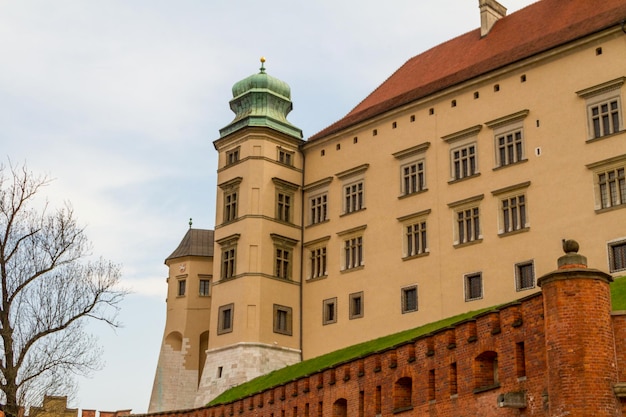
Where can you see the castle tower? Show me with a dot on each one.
(185, 338)
(255, 320)
(580, 343)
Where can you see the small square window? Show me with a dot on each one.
(283, 320)
(356, 305)
(225, 319)
(409, 299)
(182, 286)
(205, 288)
(617, 256)
(329, 312)
(524, 276)
(473, 286)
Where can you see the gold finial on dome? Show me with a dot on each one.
(262, 64)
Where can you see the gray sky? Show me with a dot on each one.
(120, 100)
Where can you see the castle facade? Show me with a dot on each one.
(446, 190)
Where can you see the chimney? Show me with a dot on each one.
(490, 12)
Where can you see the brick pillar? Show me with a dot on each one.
(580, 344)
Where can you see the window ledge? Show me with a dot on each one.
(410, 311)
(419, 255)
(318, 223)
(521, 161)
(607, 209)
(317, 278)
(514, 232)
(356, 268)
(591, 140)
(352, 212)
(454, 181)
(402, 409)
(403, 196)
(470, 243)
(487, 388)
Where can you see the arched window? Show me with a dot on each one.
(486, 370)
(402, 393)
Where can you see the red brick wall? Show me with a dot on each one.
(377, 384)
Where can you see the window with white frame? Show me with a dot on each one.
(463, 153)
(414, 227)
(610, 182)
(513, 208)
(467, 227)
(352, 251)
(509, 138)
(617, 255)
(230, 193)
(524, 276)
(283, 252)
(317, 197)
(353, 186)
(473, 286)
(317, 263)
(412, 170)
(604, 109)
(409, 299)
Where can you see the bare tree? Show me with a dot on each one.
(50, 287)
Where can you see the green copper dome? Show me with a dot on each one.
(261, 100)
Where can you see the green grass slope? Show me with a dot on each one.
(311, 366)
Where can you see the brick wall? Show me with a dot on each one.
(558, 352)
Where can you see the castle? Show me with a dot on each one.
(444, 191)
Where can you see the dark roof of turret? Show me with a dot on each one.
(536, 28)
(197, 242)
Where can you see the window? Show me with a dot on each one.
(319, 208)
(612, 185)
(231, 193)
(282, 269)
(509, 138)
(413, 178)
(329, 312)
(604, 114)
(416, 242)
(617, 256)
(232, 156)
(524, 276)
(182, 285)
(353, 252)
(353, 195)
(229, 256)
(353, 188)
(473, 286)
(225, 319)
(284, 199)
(356, 305)
(230, 206)
(468, 224)
(409, 299)
(282, 320)
(283, 250)
(283, 209)
(205, 288)
(464, 162)
(318, 262)
(285, 157)
(514, 213)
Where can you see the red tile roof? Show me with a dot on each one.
(532, 30)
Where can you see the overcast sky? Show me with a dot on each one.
(120, 100)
